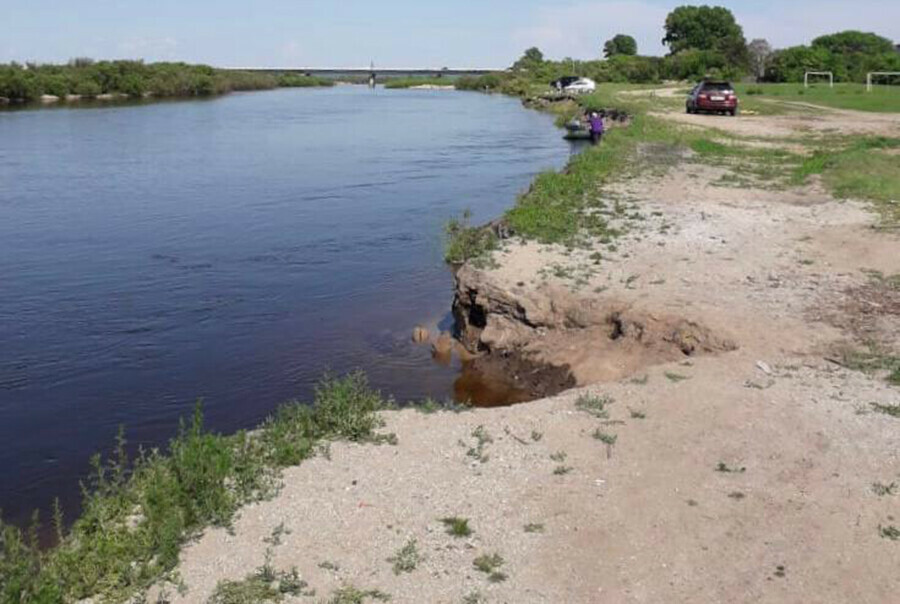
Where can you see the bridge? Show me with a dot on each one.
(384, 72)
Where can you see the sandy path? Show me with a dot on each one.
(649, 519)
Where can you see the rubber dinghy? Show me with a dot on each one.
(576, 131)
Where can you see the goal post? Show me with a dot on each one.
(879, 74)
(829, 74)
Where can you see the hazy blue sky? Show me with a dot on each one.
(396, 33)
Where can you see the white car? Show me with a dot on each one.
(581, 85)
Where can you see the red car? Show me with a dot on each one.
(718, 97)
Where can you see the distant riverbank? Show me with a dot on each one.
(85, 79)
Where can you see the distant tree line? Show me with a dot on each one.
(87, 78)
(704, 41)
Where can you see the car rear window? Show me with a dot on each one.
(717, 87)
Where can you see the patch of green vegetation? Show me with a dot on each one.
(351, 595)
(137, 514)
(882, 490)
(889, 532)
(396, 83)
(676, 377)
(605, 438)
(873, 360)
(293, 80)
(862, 170)
(536, 436)
(482, 439)
(534, 527)
(892, 410)
(882, 99)
(265, 585)
(406, 559)
(465, 242)
(88, 78)
(490, 565)
(635, 414)
(474, 598)
(562, 470)
(559, 456)
(726, 469)
(594, 405)
(458, 527)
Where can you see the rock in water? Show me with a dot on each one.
(420, 335)
(442, 349)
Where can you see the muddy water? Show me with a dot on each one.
(231, 250)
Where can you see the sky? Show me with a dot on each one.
(392, 33)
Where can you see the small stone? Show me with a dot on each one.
(420, 335)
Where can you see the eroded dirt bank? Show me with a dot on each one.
(720, 451)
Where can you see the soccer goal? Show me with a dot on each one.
(880, 74)
(823, 74)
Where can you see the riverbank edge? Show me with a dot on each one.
(99, 547)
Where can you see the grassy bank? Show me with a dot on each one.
(569, 207)
(399, 83)
(138, 513)
(882, 99)
(88, 79)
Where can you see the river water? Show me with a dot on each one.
(232, 250)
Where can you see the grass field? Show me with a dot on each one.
(842, 96)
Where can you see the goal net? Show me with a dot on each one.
(818, 74)
(886, 77)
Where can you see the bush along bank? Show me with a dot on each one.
(138, 513)
(85, 78)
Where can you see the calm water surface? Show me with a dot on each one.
(231, 250)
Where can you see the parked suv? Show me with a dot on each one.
(713, 96)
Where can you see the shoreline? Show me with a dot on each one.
(706, 407)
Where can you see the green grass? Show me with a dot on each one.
(882, 99)
(397, 83)
(867, 168)
(490, 565)
(534, 527)
(873, 360)
(457, 527)
(138, 513)
(465, 242)
(351, 595)
(406, 559)
(265, 585)
(594, 405)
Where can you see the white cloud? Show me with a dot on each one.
(799, 23)
(579, 30)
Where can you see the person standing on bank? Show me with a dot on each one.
(596, 124)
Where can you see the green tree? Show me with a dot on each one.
(789, 64)
(854, 42)
(620, 45)
(530, 61)
(708, 28)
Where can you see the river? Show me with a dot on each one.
(232, 250)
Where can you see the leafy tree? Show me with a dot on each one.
(620, 45)
(850, 42)
(760, 52)
(706, 28)
(789, 64)
(530, 61)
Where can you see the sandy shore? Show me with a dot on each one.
(742, 473)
